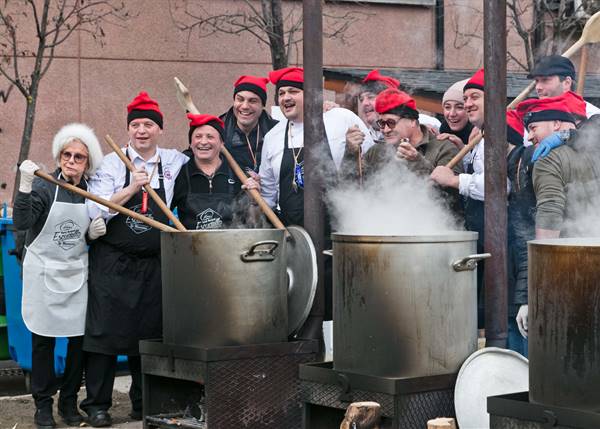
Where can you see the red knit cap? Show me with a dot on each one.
(515, 131)
(477, 81)
(397, 102)
(375, 76)
(545, 109)
(142, 106)
(576, 104)
(289, 76)
(199, 120)
(255, 84)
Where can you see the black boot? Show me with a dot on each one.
(99, 419)
(69, 414)
(43, 418)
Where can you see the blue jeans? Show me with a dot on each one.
(516, 341)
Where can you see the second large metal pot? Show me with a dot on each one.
(404, 306)
(224, 287)
(564, 322)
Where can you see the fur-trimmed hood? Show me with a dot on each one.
(84, 134)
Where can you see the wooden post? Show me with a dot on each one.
(364, 415)
(441, 423)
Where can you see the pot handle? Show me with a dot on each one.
(469, 263)
(254, 255)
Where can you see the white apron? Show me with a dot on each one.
(55, 272)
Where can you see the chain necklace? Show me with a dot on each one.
(255, 151)
(296, 155)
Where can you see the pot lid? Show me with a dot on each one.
(301, 266)
(487, 372)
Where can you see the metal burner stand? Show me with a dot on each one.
(406, 403)
(514, 411)
(253, 387)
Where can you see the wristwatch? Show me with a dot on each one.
(564, 135)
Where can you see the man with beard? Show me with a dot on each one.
(554, 75)
(247, 122)
(125, 288)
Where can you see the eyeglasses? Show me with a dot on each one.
(77, 157)
(381, 123)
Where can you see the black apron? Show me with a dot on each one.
(124, 284)
(474, 221)
(207, 210)
(291, 201)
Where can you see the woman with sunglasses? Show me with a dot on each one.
(55, 267)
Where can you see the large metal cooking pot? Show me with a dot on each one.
(224, 287)
(564, 323)
(404, 306)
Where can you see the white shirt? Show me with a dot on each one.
(472, 185)
(110, 177)
(591, 110)
(337, 121)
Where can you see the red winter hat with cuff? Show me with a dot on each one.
(200, 120)
(376, 82)
(396, 102)
(289, 76)
(477, 81)
(515, 131)
(545, 109)
(142, 106)
(255, 84)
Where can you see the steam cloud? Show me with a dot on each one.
(583, 198)
(392, 201)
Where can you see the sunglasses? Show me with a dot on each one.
(77, 157)
(391, 123)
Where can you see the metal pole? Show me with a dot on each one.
(314, 149)
(494, 52)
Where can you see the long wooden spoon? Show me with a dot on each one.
(109, 204)
(590, 34)
(148, 188)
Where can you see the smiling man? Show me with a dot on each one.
(282, 167)
(206, 188)
(554, 75)
(125, 296)
(247, 122)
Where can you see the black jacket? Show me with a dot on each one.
(235, 139)
(521, 223)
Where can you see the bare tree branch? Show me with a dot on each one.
(266, 24)
(54, 21)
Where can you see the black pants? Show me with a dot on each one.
(44, 383)
(100, 378)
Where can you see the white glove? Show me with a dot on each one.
(97, 228)
(27, 168)
(522, 320)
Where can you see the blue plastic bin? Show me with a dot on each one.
(19, 337)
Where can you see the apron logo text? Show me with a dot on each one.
(137, 226)
(209, 219)
(67, 234)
